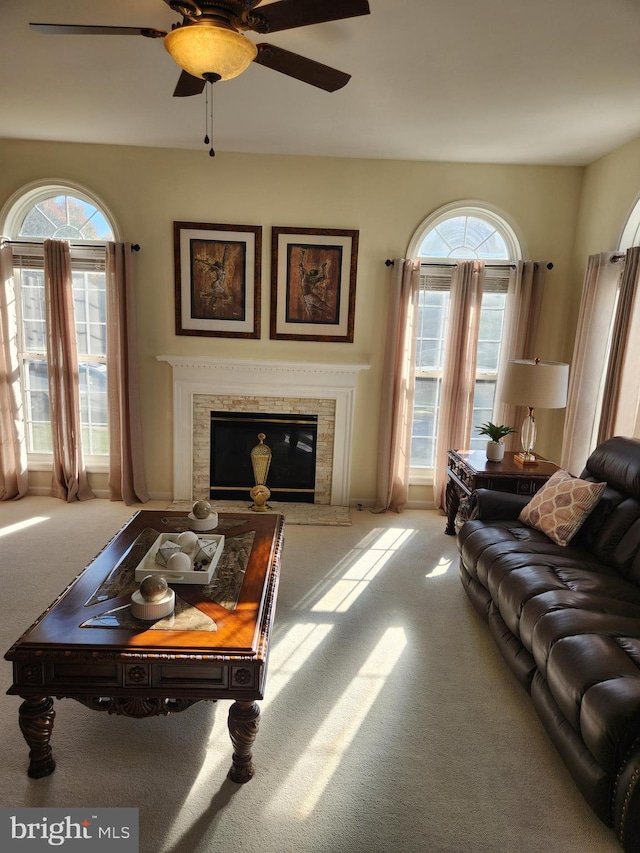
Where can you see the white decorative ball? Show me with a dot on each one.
(188, 541)
(179, 562)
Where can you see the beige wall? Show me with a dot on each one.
(610, 191)
(147, 189)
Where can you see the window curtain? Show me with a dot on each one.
(614, 401)
(590, 354)
(627, 420)
(13, 449)
(126, 460)
(524, 298)
(459, 368)
(69, 480)
(396, 408)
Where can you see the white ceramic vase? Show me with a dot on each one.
(495, 451)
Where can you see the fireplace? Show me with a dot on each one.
(292, 441)
(202, 385)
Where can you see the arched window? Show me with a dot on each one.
(57, 212)
(61, 212)
(630, 235)
(464, 230)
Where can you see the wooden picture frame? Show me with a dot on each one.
(313, 284)
(217, 279)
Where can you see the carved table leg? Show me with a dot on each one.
(244, 719)
(36, 723)
(452, 502)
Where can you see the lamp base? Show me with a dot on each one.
(525, 458)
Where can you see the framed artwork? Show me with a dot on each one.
(313, 284)
(217, 279)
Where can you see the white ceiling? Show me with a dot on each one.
(495, 81)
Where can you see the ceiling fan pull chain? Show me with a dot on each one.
(206, 116)
(212, 153)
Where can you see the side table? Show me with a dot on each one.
(469, 470)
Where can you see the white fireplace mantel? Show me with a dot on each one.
(267, 379)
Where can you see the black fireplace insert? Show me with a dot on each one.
(292, 440)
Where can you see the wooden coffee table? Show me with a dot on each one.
(87, 646)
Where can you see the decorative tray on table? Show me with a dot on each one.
(197, 561)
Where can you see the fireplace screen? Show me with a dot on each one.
(292, 439)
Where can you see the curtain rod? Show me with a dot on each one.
(135, 247)
(389, 263)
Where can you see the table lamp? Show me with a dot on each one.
(535, 384)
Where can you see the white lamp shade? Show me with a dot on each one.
(205, 48)
(537, 384)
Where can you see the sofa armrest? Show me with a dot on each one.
(491, 505)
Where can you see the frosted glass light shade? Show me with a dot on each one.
(206, 48)
(536, 384)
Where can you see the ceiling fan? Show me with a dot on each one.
(209, 44)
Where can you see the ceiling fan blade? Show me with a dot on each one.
(306, 70)
(287, 14)
(80, 30)
(188, 85)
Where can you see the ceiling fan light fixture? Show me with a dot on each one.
(205, 48)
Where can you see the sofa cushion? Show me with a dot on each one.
(565, 599)
(616, 461)
(587, 773)
(516, 564)
(559, 625)
(612, 533)
(483, 543)
(561, 506)
(578, 663)
(517, 588)
(610, 719)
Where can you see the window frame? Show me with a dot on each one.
(15, 209)
(495, 268)
(88, 255)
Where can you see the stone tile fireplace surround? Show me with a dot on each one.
(202, 385)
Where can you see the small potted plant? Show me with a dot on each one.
(495, 433)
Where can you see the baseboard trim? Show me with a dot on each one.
(103, 494)
(368, 502)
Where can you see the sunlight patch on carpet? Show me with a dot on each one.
(441, 568)
(291, 654)
(361, 565)
(22, 525)
(287, 657)
(315, 768)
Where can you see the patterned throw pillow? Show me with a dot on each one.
(561, 506)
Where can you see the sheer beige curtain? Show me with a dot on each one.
(396, 408)
(614, 401)
(69, 481)
(13, 450)
(590, 355)
(459, 372)
(126, 460)
(524, 298)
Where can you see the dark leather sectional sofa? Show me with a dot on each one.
(567, 621)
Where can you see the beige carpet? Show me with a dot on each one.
(295, 513)
(391, 724)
